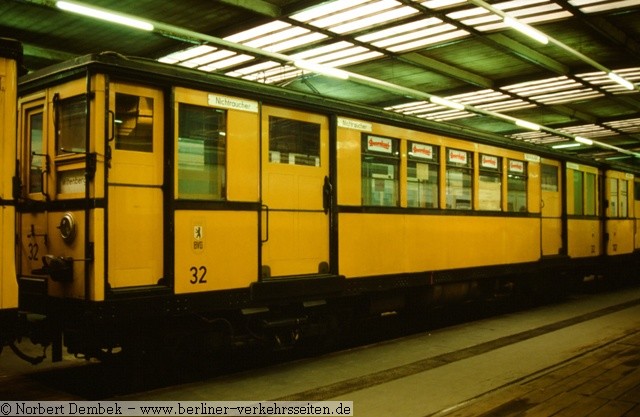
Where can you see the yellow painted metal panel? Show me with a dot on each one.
(552, 203)
(97, 267)
(8, 282)
(621, 236)
(215, 250)
(297, 243)
(349, 167)
(135, 235)
(8, 91)
(372, 244)
(584, 238)
(534, 196)
(551, 236)
(243, 170)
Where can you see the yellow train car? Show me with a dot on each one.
(10, 57)
(158, 202)
(411, 202)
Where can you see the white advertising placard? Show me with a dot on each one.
(419, 150)
(458, 157)
(516, 166)
(378, 144)
(487, 161)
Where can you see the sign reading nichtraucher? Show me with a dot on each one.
(233, 103)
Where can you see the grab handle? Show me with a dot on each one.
(265, 209)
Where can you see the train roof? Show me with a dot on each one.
(144, 71)
(10, 48)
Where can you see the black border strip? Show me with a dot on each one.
(215, 205)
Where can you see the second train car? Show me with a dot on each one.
(156, 202)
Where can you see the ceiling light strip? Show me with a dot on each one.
(617, 78)
(175, 31)
(105, 15)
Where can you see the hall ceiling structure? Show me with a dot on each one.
(458, 62)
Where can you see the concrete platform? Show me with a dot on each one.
(604, 383)
(578, 357)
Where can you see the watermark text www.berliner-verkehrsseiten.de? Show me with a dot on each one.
(176, 408)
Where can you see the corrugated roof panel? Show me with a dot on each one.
(597, 6)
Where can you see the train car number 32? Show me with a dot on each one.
(198, 275)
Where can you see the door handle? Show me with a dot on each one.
(327, 189)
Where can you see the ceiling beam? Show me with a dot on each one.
(529, 54)
(256, 6)
(605, 28)
(46, 53)
(449, 70)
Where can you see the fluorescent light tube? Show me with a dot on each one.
(526, 29)
(104, 15)
(566, 145)
(625, 83)
(446, 103)
(527, 125)
(322, 69)
(584, 141)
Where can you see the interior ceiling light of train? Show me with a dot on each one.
(553, 73)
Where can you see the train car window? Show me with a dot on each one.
(618, 198)
(549, 177)
(613, 197)
(578, 193)
(294, 142)
(71, 125)
(380, 165)
(134, 123)
(636, 192)
(422, 175)
(517, 186)
(202, 152)
(459, 179)
(37, 158)
(624, 199)
(490, 182)
(590, 194)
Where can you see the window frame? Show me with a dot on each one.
(466, 168)
(29, 111)
(429, 156)
(489, 166)
(296, 143)
(517, 172)
(213, 169)
(382, 150)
